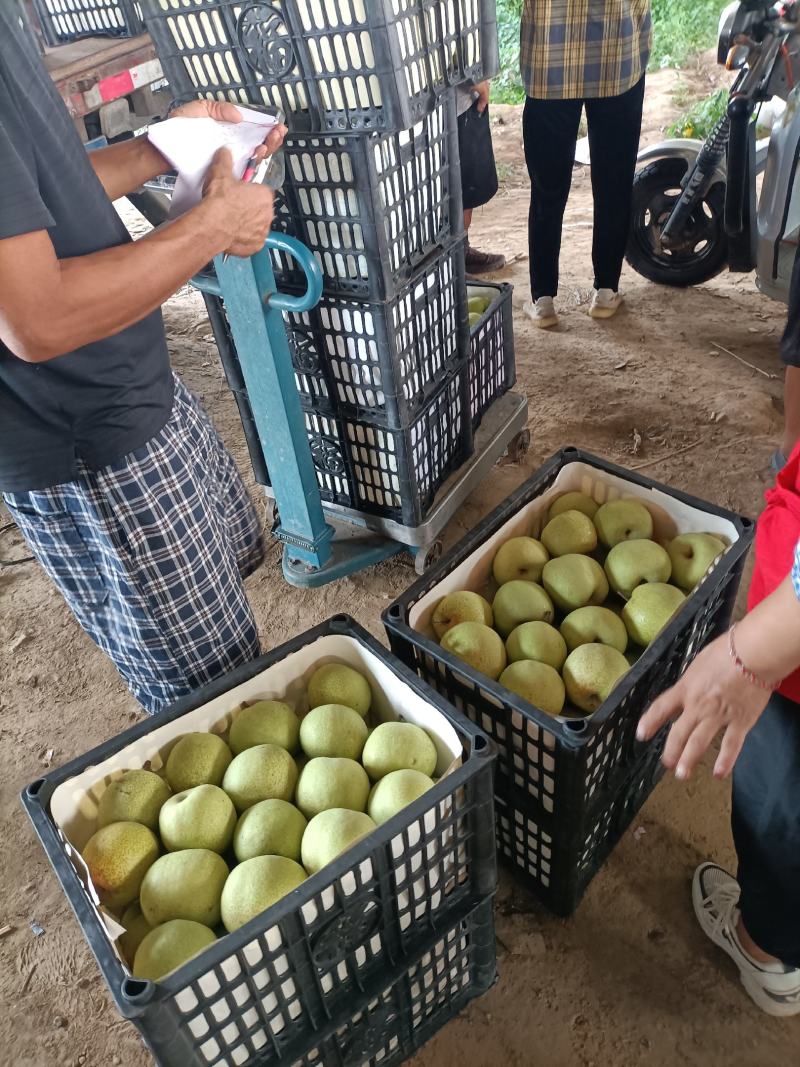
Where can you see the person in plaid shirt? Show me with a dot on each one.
(108, 465)
(578, 54)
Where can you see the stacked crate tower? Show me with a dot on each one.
(372, 187)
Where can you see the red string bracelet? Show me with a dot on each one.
(746, 673)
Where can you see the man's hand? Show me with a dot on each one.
(710, 698)
(482, 89)
(222, 111)
(242, 210)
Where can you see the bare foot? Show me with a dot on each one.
(750, 947)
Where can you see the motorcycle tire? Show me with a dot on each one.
(704, 252)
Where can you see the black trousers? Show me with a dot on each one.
(766, 830)
(550, 131)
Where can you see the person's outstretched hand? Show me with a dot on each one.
(712, 697)
(223, 111)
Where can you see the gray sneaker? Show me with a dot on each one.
(774, 987)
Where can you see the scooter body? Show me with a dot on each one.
(779, 205)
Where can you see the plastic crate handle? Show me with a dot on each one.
(290, 246)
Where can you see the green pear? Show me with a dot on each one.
(478, 305)
(649, 610)
(691, 555)
(268, 722)
(184, 885)
(569, 533)
(632, 563)
(477, 645)
(269, 828)
(333, 730)
(474, 318)
(590, 625)
(332, 782)
(623, 520)
(590, 673)
(538, 683)
(168, 947)
(517, 602)
(461, 606)
(574, 581)
(573, 502)
(136, 929)
(197, 759)
(202, 817)
(394, 792)
(118, 857)
(255, 885)
(330, 833)
(136, 796)
(538, 641)
(397, 746)
(260, 773)
(520, 557)
(336, 683)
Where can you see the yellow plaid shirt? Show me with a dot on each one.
(582, 49)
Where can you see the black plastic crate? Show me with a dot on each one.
(370, 65)
(492, 367)
(62, 21)
(374, 934)
(372, 207)
(566, 789)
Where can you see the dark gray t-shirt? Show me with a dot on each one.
(101, 401)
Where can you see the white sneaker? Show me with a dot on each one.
(775, 987)
(541, 312)
(605, 303)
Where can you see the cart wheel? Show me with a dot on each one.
(518, 446)
(425, 558)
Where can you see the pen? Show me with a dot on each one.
(250, 172)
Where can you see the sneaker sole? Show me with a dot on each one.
(604, 313)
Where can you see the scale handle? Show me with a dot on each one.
(309, 266)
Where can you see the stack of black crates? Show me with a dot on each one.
(372, 188)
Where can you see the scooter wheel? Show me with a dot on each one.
(703, 250)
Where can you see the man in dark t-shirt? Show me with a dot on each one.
(112, 471)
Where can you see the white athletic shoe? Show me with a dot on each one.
(774, 987)
(541, 312)
(605, 303)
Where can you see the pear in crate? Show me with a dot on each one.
(397, 746)
(623, 520)
(519, 557)
(136, 929)
(260, 773)
(333, 730)
(573, 501)
(256, 885)
(692, 555)
(118, 857)
(538, 683)
(477, 645)
(569, 532)
(203, 817)
(519, 601)
(632, 563)
(591, 673)
(197, 759)
(649, 610)
(336, 683)
(332, 782)
(461, 606)
(168, 947)
(330, 833)
(269, 828)
(136, 796)
(396, 791)
(184, 885)
(537, 641)
(574, 581)
(267, 722)
(594, 625)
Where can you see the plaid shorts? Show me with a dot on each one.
(150, 553)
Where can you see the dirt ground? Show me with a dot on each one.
(629, 979)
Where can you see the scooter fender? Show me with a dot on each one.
(686, 148)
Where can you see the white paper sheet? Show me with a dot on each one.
(189, 146)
